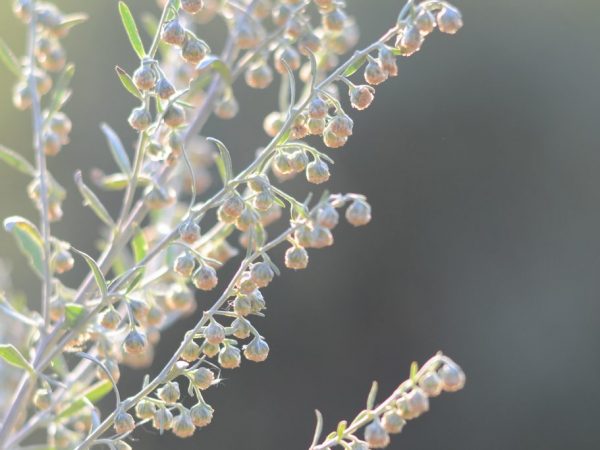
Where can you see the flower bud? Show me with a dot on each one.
(60, 124)
(174, 116)
(124, 422)
(296, 258)
(393, 422)
(242, 306)
(191, 352)
(410, 41)
(375, 435)
(202, 378)
(164, 88)
(453, 378)
(341, 125)
(282, 163)
(318, 108)
(173, 33)
(431, 384)
(316, 126)
(51, 143)
(233, 207)
(257, 301)
(140, 119)
(374, 72)
(189, 231)
(259, 76)
(388, 61)
(290, 56)
(262, 274)
(139, 309)
(334, 20)
(358, 213)
(113, 368)
(227, 107)
(42, 399)
(194, 50)
(22, 98)
(321, 237)
(144, 77)
(205, 278)
(257, 350)
(327, 216)
(110, 319)
(210, 350)
(214, 333)
(272, 123)
(62, 261)
(418, 402)
(182, 425)
(299, 160)
(281, 14)
(333, 140)
(169, 392)
(309, 42)
(241, 328)
(246, 284)
(145, 409)
(229, 357)
(56, 310)
(192, 6)
(179, 298)
(184, 264)
(247, 219)
(163, 419)
(201, 414)
(361, 96)
(449, 20)
(317, 172)
(134, 343)
(263, 200)
(425, 21)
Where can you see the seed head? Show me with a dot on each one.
(202, 378)
(247, 219)
(229, 357)
(144, 77)
(134, 343)
(124, 422)
(205, 278)
(449, 20)
(358, 213)
(173, 33)
(327, 216)
(388, 61)
(183, 426)
(169, 392)
(184, 264)
(282, 163)
(163, 419)
(257, 350)
(201, 414)
(298, 160)
(246, 284)
(164, 88)
(214, 333)
(317, 172)
(296, 258)
(316, 126)
(376, 436)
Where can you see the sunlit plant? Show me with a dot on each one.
(170, 238)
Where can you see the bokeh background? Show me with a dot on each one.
(481, 161)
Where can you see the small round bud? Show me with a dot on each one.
(155, 316)
(361, 96)
(388, 61)
(259, 76)
(189, 231)
(259, 183)
(318, 108)
(241, 328)
(194, 50)
(134, 343)
(174, 116)
(272, 123)
(184, 264)
(286, 55)
(327, 216)
(140, 119)
(139, 309)
(164, 88)
(227, 107)
(214, 333)
(229, 357)
(341, 125)
(261, 274)
(113, 368)
(321, 237)
(453, 378)
(374, 72)
(210, 350)
(431, 383)
(376, 436)
(233, 206)
(309, 42)
(263, 200)
(282, 163)
(334, 21)
(246, 284)
(242, 306)
(179, 298)
(247, 219)
(257, 301)
(281, 14)
(202, 378)
(144, 77)
(296, 258)
(201, 414)
(163, 419)
(145, 409)
(425, 21)
(62, 261)
(56, 310)
(298, 160)
(110, 319)
(191, 352)
(60, 123)
(410, 41)
(182, 425)
(358, 213)
(205, 278)
(22, 98)
(418, 402)
(316, 126)
(192, 6)
(51, 143)
(333, 140)
(317, 172)
(169, 392)
(124, 422)
(257, 350)
(42, 399)
(449, 20)
(173, 33)
(393, 422)
(303, 236)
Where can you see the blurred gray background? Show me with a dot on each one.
(481, 161)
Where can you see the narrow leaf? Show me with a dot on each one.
(12, 356)
(73, 312)
(355, 66)
(91, 200)
(414, 369)
(131, 29)
(71, 20)
(116, 147)
(94, 394)
(98, 276)
(224, 166)
(119, 181)
(139, 246)
(372, 395)
(340, 429)
(217, 65)
(29, 241)
(16, 161)
(9, 59)
(318, 428)
(128, 83)
(61, 92)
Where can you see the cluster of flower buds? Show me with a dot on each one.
(409, 401)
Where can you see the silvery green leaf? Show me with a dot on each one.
(9, 59)
(29, 241)
(131, 28)
(12, 356)
(127, 83)
(98, 276)
(61, 92)
(117, 149)
(223, 161)
(217, 65)
(16, 161)
(91, 200)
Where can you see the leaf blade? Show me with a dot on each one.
(28, 240)
(92, 200)
(98, 276)
(131, 29)
(225, 166)
(9, 59)
(128, 83)
(12, 356)
(117, 149)
(16, 161)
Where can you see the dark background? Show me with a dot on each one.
(481, 162)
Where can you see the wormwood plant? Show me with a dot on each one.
(155, 253)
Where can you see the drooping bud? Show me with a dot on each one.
(145, 409)
(257, 350)
(358, 213)
(214, 333)
(144, 77)
(317, 172)
(229, 357)
(393, 422)
(375, 435)
(431, 383)
(201, 414)
(191, 352)
(134, 343)
(453, 378)
(296, 258)
(202, 378)
(261, 274)
(140, 119)
(449, 20)
(173, 33)
(192, 6)
(169, 392)
(241, 328)
(124, 422)
(163, 419)
(184, 264)
(205, 278)
(361, 96)
(183, 426)
(189, 231)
